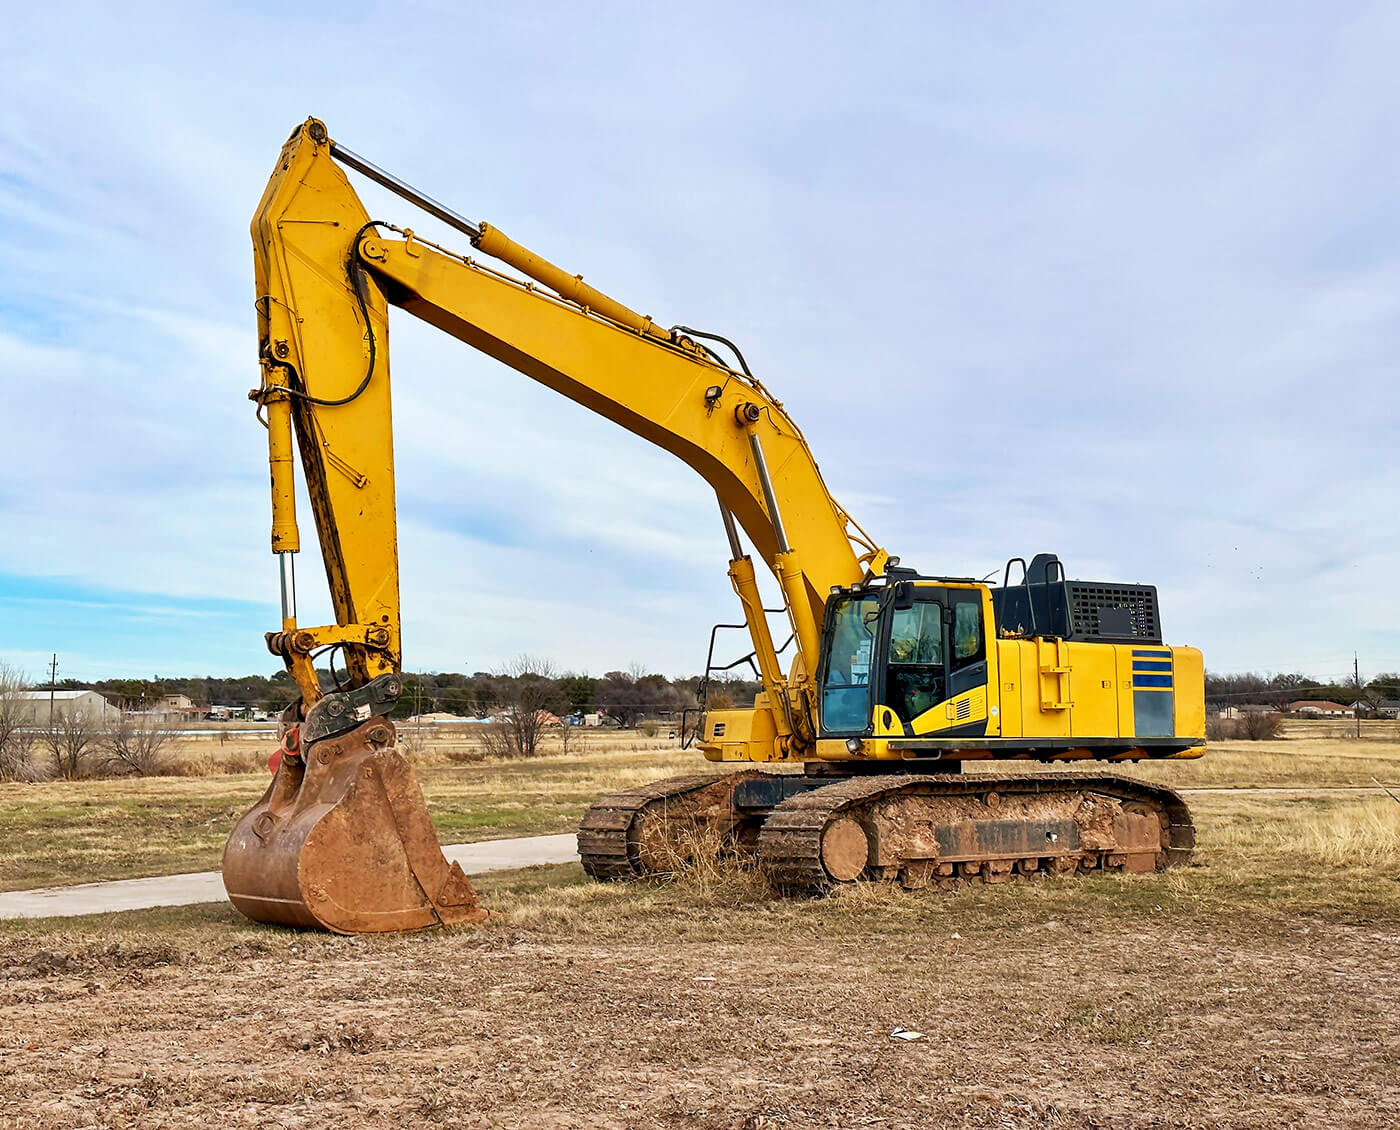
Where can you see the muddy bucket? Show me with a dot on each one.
(341, 841)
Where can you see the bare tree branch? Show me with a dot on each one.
(135, 746)
(531, 700)
(16, 736)
(71, 738)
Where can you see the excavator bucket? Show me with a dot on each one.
(341, 841)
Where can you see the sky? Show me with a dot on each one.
(1120, 282)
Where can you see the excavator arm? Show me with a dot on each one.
(326, 276)
(324, 395)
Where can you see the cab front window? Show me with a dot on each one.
(850, 650)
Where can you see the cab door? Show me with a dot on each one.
(967, 660)
(915, 677)
(961, 707)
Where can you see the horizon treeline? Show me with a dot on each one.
(624, 696)
(627, 696)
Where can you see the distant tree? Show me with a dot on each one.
(458, 700)
(721, 694)
(718, 697)
(16, 739)
(137, 694)
(71, 738)
(531, 702)
(415, 698)
(1260, 690)
(620, 698)
(488, 693)
(580, 691)
(1383, 686)
(135, 746)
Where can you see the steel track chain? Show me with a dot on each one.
(605, 841)
(790, 843)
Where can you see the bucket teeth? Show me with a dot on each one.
(342, 841)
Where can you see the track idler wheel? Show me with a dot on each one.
(342, 841)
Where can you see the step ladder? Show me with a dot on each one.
(1052, 662)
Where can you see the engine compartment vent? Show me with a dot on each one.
(1099, 610)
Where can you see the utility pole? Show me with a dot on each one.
(53, 685)
(1356, 706)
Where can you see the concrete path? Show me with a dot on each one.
(208, 886)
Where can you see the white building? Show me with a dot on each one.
(1320, 708)
(35, 707)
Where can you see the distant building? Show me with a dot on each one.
(35, 707)
(543, 718)
(1320, 708)
(1385, 708)
(176, 702)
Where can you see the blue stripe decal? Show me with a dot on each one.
(1150, 665)
(1152, 681)
(1139, 654)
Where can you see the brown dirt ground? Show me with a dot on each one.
(1259, 987)
(1147, 1002)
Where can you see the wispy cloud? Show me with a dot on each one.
(1124, 285)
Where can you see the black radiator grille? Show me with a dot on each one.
(1107, 611)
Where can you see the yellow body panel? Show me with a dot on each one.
(741, 734)
(1190, 694)
(1093, 690)
(960, 710)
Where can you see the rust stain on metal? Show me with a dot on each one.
(342, 841)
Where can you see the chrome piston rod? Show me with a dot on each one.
(731, 531)
(761, 466)
(287, 574)
(407, 191)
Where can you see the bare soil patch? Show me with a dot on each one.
(1259, 987)
(1187, 1000)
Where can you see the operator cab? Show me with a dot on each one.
(910, 644)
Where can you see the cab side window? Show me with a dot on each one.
(969, 646)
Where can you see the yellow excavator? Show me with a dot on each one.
(896, 678)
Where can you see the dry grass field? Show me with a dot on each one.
(61, 832)
(1259, 987)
